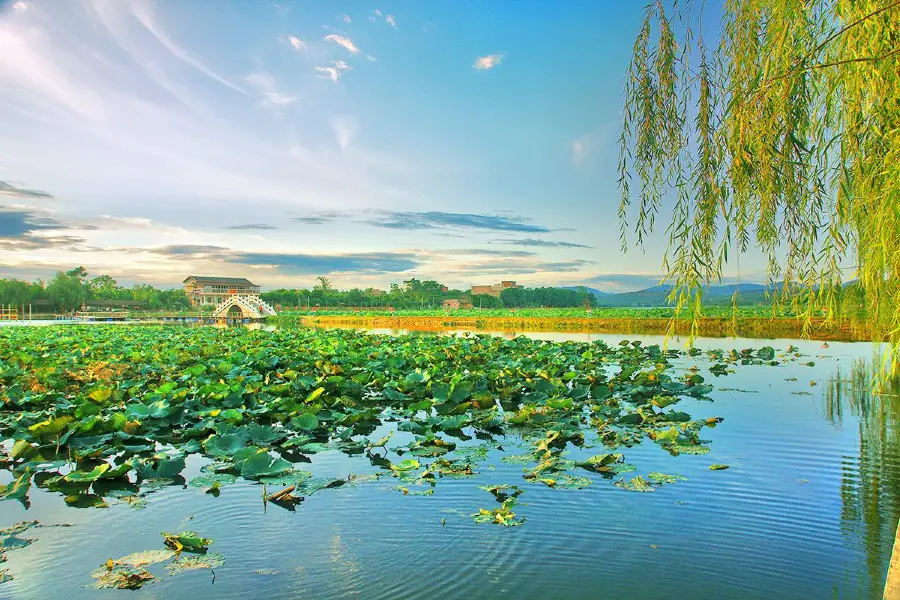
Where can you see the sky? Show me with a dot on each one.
(370, 142)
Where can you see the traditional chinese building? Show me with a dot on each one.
(203, 291)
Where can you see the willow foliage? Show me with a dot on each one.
(783, 134)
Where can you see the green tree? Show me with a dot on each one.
(782, 134)
(67, 291)
(105, 287)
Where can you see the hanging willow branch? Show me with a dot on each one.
(783, 139)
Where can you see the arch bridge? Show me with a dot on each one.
(244, 307)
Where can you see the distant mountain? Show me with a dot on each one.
(593, 291)
(657, 296)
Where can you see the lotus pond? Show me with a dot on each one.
(328, 463)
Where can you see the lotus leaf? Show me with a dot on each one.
(193, 562)
(187, 541)
(262, 464)
(205, 481)
(226, 445)
(123, 578)
(636, 484)
(662, 478)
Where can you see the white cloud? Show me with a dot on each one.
(20, 6)
(374, 16)
(483, 63)
(390, 20)
(347, 18)
(268, 87)
(297, 43)
(342, 41)
(333, 72)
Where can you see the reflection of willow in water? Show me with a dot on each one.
(871, 492)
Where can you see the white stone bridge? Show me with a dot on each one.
(244, 307)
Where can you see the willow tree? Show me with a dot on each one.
(781, 136)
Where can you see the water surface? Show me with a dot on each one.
(807, 509)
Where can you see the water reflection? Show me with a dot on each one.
(870, 493)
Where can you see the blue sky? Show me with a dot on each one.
(370, 142)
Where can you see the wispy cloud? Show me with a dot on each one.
(143, 14)
(266, 84)
(333, 72)
(20, 6)
(346, 18)
(317, 264)
(9, 189)
(252, 226)
(390, 20)
(320, 218)
(437, 220)
(342, 41)
(290, 263)
(483, 63)
(375, 15)
(297, 43)
(531, 242)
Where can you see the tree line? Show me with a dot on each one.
(417, 294)
(70, 290)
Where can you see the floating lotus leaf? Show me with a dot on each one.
(123, 578)
(601, 462)
(18, 489)
(503, 515)
(636, 484)
(223, 445)
(194, 562)
(305, 422)
(187, 541)
(662, 478)
(142, 559)
(263, 464)
(292, 477)
(205, 481)
(718, 467)
(407, 465)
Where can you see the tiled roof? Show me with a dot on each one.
(224, 280)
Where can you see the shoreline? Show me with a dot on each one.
(759, 327)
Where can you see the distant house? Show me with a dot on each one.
(203, 291)
(455, 303)
(493, 290)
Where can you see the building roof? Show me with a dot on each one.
(225, 280)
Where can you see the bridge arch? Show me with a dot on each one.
(244, 307)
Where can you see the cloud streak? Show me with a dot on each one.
(438, 220)
(293, 263)
(534, 243)
(251, 227)
(142, 14)
(297, 43)
(267, 86)
(346, 43)
(13, 190)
